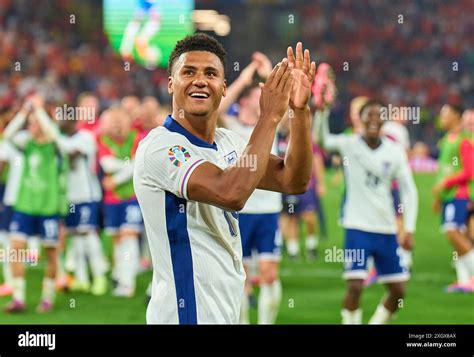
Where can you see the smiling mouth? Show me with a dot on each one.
(199, 95)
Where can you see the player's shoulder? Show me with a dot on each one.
(229, 138)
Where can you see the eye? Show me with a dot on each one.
(211, 74)
(188, 72)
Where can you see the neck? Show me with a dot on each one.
(373, 143)
(456, 129)
(202, 127)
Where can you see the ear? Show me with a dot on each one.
(224, 88)
(170, 85)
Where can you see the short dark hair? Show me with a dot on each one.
(197, 42)
(370, 103)
(457, 108)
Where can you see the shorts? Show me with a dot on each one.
(123, 215)
(83, 218)
(260, 232)
(384, 249)
(297, 204)
(25, 225)
(6, 214)
(454, 215)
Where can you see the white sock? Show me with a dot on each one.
(34, 245)
(244, 310)
(406, 258)
(468, 261)
(19, 288)
(130, 262)
(381, 316)
(463, 268)
(312, 242)
(49, 290)
(351, 317)
(269, 302)
(7, 272)
(293, 247)
(80, 263)
(94, 252)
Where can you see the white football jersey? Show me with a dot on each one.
(83, 185)
(261, 201)
(198, 276)
(368, 201)
(398, 132)
(14, 157)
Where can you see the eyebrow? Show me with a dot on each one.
(187, 66)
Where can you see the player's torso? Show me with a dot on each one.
(368, 177)
(82, 184)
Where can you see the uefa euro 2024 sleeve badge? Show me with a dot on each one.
(178, 155)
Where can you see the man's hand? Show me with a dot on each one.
(108, 183)
(303, 73)
(276, 92)
(437, 189)
(406, 240)
(37, 101)
(263, 64)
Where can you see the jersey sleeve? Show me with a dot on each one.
(408, 191)
(169, 163)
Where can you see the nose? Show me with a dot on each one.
(199, 81)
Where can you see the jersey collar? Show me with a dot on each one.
(174, 126)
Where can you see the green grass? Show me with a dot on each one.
(312, 292)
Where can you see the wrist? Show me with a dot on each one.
(300, 111)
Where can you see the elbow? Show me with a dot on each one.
(298, 188)
(235, 200)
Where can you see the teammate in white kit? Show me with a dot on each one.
(84, 195)
(370, 163)
(191, 178)
(258, 220)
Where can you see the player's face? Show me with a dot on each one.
(468, 121)
(447, 117)
(371, 121)
(197, 83)
(33, 126)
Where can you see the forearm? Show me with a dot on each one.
(125, 174)
(299, 156)
(241, 179)
(111, 165)
(49, 128)
(15, 125)
(409, 201)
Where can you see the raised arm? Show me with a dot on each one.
(260, 64)
(230, 188)
(408, 198)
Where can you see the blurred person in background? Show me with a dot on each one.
(84, 196)
(123, 219)
(40, 197)
(258, 220)
(453, 189)
(420, 159)
(468, 125)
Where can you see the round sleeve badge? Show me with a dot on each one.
(178, 155)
